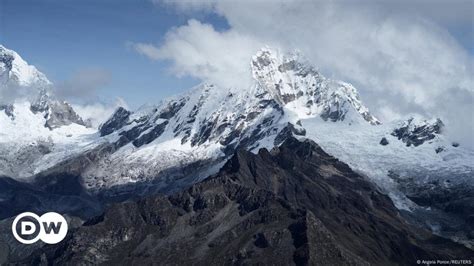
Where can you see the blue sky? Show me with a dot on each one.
(62, 38)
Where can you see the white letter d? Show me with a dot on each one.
(27, 228)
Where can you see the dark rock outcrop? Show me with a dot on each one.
(142, 129)
(417, 134)
(6, 58)
(292, 205)
(333, 115)
(288, 132)
(8, 109)
(384, 141)
(151, 135)
(115, 122)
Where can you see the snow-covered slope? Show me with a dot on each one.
(27, 145)
(360, 146)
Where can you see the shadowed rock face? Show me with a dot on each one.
(62, 194)
(292, 205)
(417, 134)
(116, 121)
(452, 205)
(384, 141)
(146, 129)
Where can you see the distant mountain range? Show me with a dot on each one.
(48, 153)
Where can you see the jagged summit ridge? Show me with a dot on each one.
(208, 113)
(296, 84)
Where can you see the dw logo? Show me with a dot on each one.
(50, 228)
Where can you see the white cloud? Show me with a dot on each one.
(401, 57)
(198, 50)
(147, 49)
(97, 113)
(386, 113)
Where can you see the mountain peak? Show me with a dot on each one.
(17, 74)
(14, 71)
(296, 84)
(56, 112)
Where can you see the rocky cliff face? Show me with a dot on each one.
(415, 132)
(57, 113)
(294, 204)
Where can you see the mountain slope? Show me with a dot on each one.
(292, 205)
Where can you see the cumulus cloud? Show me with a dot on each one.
(402, 62)
(97, 113)
(198, 50)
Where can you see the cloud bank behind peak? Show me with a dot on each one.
(401, 58)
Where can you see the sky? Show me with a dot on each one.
(70, 40)
(405, 57)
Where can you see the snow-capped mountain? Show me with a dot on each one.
(288, 96)
(184, 139)
(295, 84)
(34, 125)
(16, 72)
(208, 123)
